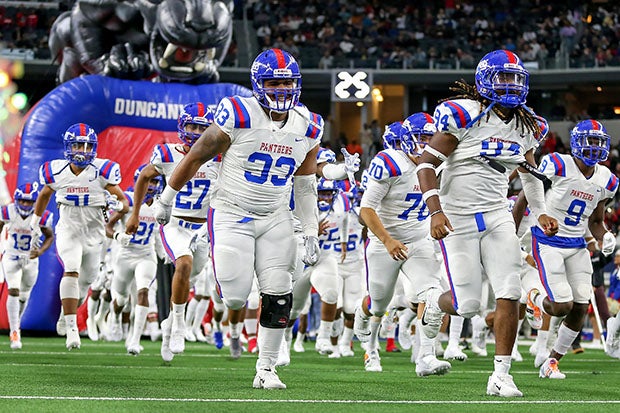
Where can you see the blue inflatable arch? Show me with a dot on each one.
(103, 103)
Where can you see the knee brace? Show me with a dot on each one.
(275, 310)
(469, 308)
(69, 288)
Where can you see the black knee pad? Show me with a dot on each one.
(275, 310)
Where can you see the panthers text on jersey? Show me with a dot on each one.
(572, 198)
(392, 178)
(468, 185)
(257, 167)
(193, 199)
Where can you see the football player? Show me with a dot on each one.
(20, 258)
(483, 134)
(86, 187)
(265, 139)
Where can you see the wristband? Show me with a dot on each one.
(167, 195)
(439, 211)
(429, 193)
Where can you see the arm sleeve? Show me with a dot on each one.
(374, 193)
(304, 187)
(535, 193)
(334, 172)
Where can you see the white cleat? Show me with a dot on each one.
(189, 336)
(502, 385)
(516, 356)
(324, 346)
(533, 348)
(432, 315)
(165, 352)
(177, 337)
(551, 370)
(454, 352)
(298, 347)
(134, 349)
(16, 340)
(479, 336)
(235, 348)
(267, 379)
(372, 361)
(533, 313)
(335, 353)
(541, 357)
(73, 339)
(200, 337)
(361, 326)
(439, 351)
(115, 329)
(346, 351)
(91, 328)
(430, 365)
(404, 328)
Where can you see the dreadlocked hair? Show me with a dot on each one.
(524, 116)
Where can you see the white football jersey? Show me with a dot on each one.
(87, 188)
(392, 178)
(255, 176)
(143, 240)
(572, 198)
(80, 197)
(338, 228)
(19, 235)
(355, 243)
(468, 186)
(193, 199)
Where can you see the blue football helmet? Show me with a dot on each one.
(26, 192)
(276, 64)
(80, 142)
(153, 189)
(414, 128)
(590, 142)
(327, 191)
(325, 155)
(194, 113)
(502, 78)
(393, 135)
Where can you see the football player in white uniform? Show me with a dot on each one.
(189, 212)
(86, 187)
(580, 187)
(483, 134)
(264, 140)
(136, 261)
(395, 213)
(20, 257)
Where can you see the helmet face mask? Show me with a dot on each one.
(25, 197)
(502, 79)
(194, 119)
(80, 141)
(418, 130)
(276, 80)
(590, 142)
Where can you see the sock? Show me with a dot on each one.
(300, 337)
(12, 309)
(347, 337)
(270, 340)
(427, 345)
(565, 339)
(456, 326)
(93, 305)
(201, 310)
(178, 313)
(390, 343)
(288, 334)
(71, 321)
(251, 326)
(139, 319)
(375, 324)
(325, 329)
(541, 340)
(502, 364)
(190, 312)
(234, 330)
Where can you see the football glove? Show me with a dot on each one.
(312, 249)
(609, 244)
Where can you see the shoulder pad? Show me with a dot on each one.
(242, 115)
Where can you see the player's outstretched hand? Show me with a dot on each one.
(440, 226)
(548, 224)
(312, 249)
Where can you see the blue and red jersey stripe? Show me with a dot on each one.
(47, 173)
(165, 153)
(560, 167)
(312, 131)
(390, 164)
(242, 116)
(461, 116)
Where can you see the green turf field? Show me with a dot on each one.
(43, 376)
